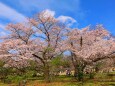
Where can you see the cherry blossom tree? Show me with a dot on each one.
(88, 46)
(40, 38)
(50, 34)
(15, 45)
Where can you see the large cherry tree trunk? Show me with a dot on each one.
(79, 66)
(46, 68)
(47, 73)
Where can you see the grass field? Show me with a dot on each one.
(99, 80)
(39, 83)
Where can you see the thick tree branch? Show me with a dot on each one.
(39, 58)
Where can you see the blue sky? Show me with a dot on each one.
(79, 12)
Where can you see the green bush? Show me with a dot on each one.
(29, 74)
(3, 72)
(14, 79)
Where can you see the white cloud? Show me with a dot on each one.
(67, 19)
(11, 14)
(64, 19)
(46, 13)
(49, 12)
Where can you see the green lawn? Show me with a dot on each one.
(99, 80)
(39, 83)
